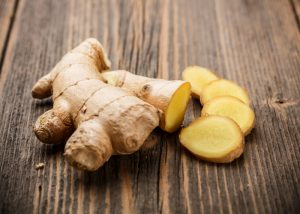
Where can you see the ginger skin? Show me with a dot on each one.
(96, 119)
(170, 96)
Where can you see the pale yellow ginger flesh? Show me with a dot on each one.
(233, 108)
(175, 112)
(170, 96)
(223, 87)
(213, 138)
(95, 119)
(199, 77)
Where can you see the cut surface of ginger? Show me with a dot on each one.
(233, 108)
(176, 109)
(213, 138)
(171, 97)
(223, 87)
(199, 77)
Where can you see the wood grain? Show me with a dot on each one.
(295, 4)
(245, 41)
(7, 10)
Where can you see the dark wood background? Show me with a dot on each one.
(253, 42)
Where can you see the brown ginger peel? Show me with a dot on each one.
(170, 96)
(96, 119)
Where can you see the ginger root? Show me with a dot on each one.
(171, 97)
(233, 108)
(223, 87)
(199, 77)
(96, 119)
(218, 135)
(213, 138)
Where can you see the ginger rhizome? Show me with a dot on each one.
(213, 138)
(99, 113)
(170, 96)
(199, 77)
(96, 119)
(226, 117)
(233, 108)
(222, 87)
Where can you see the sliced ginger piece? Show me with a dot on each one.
(223, 87)
(213, 138)
(233, 108)
(199, 77)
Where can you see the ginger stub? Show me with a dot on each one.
(222, 87)
(213, 138)
(170, 96)
(199, 77)
(233, 108)
(96, 119)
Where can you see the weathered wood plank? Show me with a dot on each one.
(295, 4)
(7, 11)
(246, 41)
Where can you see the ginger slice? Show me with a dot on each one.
(199, 77)
(233, 108)
(213, 138)
(223, 87)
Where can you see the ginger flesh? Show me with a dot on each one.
(223, 87)
(233, 108)
(95, 119)
(171, 97)
(213, 138)
(199, 77)
(176, 109)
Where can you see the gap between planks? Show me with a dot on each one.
(7, 37)
(295, 5)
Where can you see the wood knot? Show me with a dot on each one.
(39, 166)
(281, 102)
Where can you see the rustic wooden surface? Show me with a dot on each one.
(7, 11)
(253, 42)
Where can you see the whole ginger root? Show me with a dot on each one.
(96, 119)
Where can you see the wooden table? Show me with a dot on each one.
(253, 42)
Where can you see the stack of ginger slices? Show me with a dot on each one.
(226, 117)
